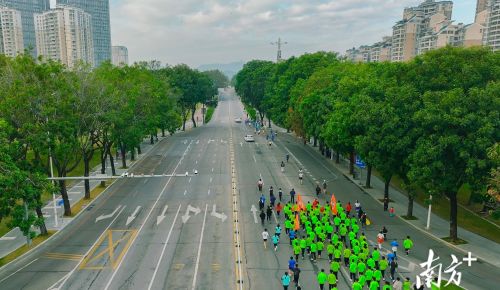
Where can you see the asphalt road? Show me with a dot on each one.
(182, 232)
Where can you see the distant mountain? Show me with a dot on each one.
(229, 69)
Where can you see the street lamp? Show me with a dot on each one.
(52, 176)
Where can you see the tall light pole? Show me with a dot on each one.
(279, 43)
(429, 211)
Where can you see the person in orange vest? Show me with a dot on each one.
(279, 207)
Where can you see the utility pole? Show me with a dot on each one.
(279, 43)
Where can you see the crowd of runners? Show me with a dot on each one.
(335, 233)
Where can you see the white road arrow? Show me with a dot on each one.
(107, 216)
(160, 218)
(133, 216)
(221, 216)
(186, 216)
(254, 211)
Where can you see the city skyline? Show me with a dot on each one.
(227, 31)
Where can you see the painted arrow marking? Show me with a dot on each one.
(186, 216)
(241, 144)
(221, 216)
(133, 216)
(254, 211)
(107, 216)
(7, 238)
(161, 217)
(411, 267)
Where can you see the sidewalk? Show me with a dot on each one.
(15, 239)
(484, 249)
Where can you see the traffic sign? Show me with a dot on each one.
(360, 162)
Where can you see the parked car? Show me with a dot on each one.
(237, 120)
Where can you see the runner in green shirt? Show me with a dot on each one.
(374, 285)
(407, 284)
(361, 267)
(332, 280)
(353, 269)
(330, 249)
(382, 265)
(369, 275)
(337, 253)
(303, 246)
(387, 286)
(377, 275)
(296, 251)
(322, 277)
(347, 255)
(356, 286)
(320, 247)
(314, 250)
(335, 267)
(408, 244)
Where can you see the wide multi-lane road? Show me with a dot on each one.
(198, 231)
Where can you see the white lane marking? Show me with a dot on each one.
(210, 179)
(208, 191)
(163, 249)
(146, 180)
(160, 218)
(102, 217)
(142, 226)
(10, 238)
(133, 215)
(212, 169)
(275, 218)
(185, 191)
(253, 209)
(189, 180)
(254, 159)
(18, 270)
(196, 162)
(193, 286)
(335, 177)
(66, 277)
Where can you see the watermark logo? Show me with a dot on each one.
(433, 269)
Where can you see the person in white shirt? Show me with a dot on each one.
(301, 175)
(265, 236)
(397, 285)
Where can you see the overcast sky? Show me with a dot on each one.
(199, 32)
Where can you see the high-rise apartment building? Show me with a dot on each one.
(481, 5)
(11, 32)
(429, 8)
(99, 10)
(492, 33)
(422, 28)
(28, 8)
(404, 38)
(65, 34)
(119, 55)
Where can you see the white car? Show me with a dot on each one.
(237, 120)
(249, 138)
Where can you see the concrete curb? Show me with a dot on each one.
(81, 211)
